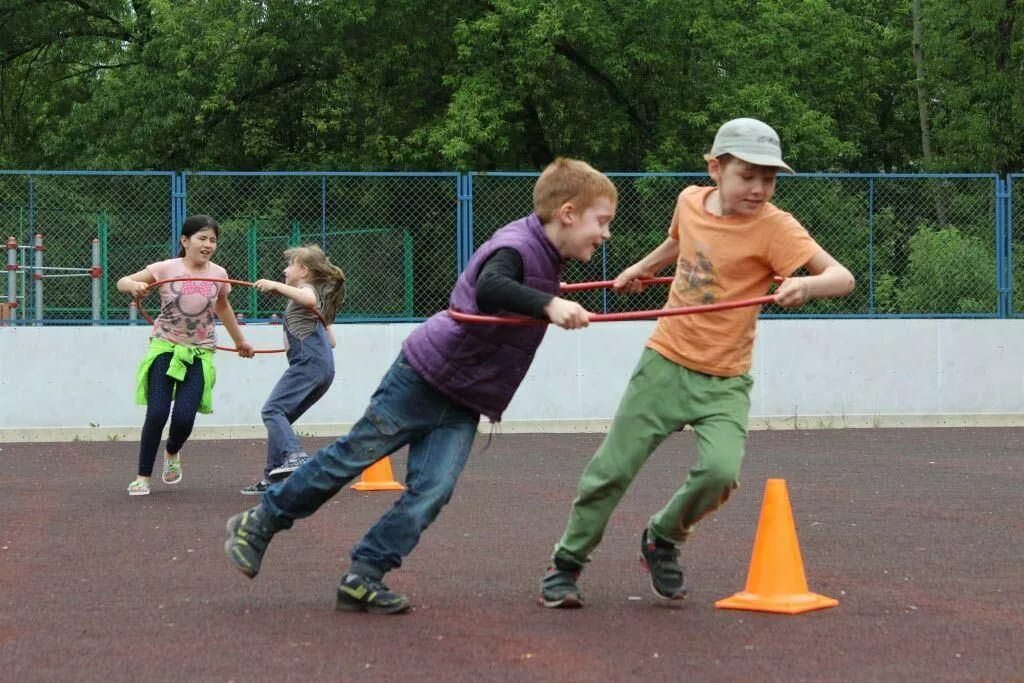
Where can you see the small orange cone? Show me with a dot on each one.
(378, 477)
(776, 581)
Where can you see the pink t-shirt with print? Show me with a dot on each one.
(187, 308)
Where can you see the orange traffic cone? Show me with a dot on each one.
(378, 477)
(776, 581)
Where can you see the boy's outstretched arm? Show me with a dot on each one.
(661, 256)
(500, 288)
(828, 278)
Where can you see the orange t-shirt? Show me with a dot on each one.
(724, 258)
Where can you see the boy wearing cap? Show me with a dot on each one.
(728, 242)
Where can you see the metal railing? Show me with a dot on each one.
(920, 245)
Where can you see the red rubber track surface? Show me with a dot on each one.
(918, 533)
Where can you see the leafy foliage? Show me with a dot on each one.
(412, 84)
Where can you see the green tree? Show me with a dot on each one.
(975, 62)
(948, 273)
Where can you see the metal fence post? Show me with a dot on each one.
(253, 253)
(103, 232)
(1009, 241)
(37, 277)
(871, 246)
(464, 221)
(323, 212)
(12, 275)
(96, 272)
(1004, 273)
(179, 201)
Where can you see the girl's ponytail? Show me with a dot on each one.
(333, 295)
(328, 278)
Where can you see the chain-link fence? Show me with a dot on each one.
(394, 235)
(50, 221)
(919, 245)
(1013, 276)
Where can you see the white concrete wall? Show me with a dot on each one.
(60, 383)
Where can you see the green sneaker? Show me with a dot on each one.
(357, 593)
(248, 536)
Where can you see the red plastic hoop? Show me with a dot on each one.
(616, 317)
(605, 284)
(157, 283)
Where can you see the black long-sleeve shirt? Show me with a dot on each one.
(499, 286)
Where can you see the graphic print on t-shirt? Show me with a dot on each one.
(695, 281)
(193, 297)
(189, 308)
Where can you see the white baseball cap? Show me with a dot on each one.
(752, 141)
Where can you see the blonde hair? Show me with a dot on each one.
(327, 278)
(570, 180)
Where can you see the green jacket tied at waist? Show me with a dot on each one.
(183, 355)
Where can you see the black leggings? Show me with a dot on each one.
(158, 408)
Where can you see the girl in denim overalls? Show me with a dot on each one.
(316, 289)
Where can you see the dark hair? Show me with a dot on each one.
(194, 224)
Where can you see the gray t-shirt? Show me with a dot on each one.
(298, 319)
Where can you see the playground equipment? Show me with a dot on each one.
(18, 257)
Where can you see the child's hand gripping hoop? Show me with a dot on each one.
(153, 285)
(615, 317)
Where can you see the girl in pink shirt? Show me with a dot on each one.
(179, 364)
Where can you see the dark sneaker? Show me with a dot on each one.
(291, 463)
(256, 489)
(248, 536)
(661, 559)
(558, 586)
(357, 593)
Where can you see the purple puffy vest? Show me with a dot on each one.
(478, 365)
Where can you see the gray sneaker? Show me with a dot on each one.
(558, 586)
(248, 536)
(292, 462)
(661, 559)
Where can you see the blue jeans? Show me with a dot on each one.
(308, 377)
(404, 410)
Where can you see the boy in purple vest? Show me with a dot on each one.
(447, 375)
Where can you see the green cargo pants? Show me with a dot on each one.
(661, 398)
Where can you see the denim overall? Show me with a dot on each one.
(308, 377)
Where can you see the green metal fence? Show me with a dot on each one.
(934, 245)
